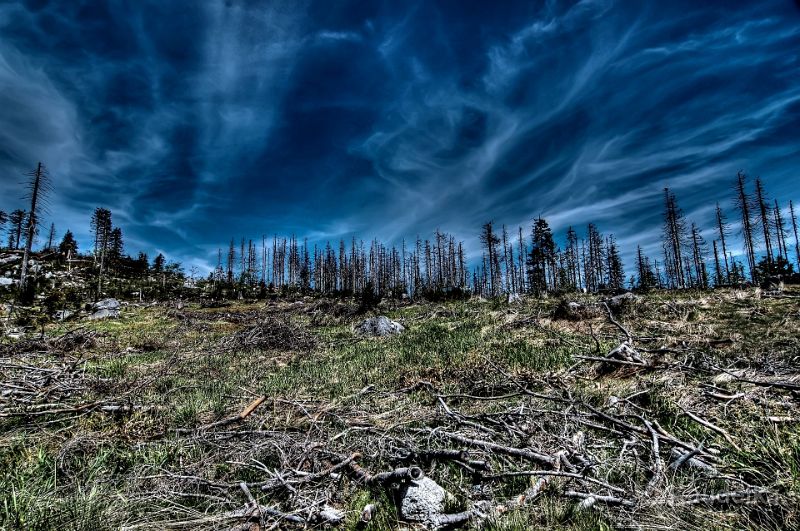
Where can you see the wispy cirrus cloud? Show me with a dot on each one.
(243, 118)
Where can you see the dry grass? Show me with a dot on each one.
(124, 433)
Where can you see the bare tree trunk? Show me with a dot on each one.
(794, 228)
(37, 175)
(722, 230)
(743, 201)
(763, 210)
(780, 232)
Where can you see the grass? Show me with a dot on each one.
(85, 471)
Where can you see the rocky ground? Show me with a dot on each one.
(661, 411)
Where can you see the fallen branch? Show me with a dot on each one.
(456, 519)
(743, 497)
(226, 421)
(616, 323)
(398, 475)
(488, 445)
(590, 499)
(712, 427)
(658, 465)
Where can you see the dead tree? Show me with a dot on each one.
(51, 237)
(231, 259)
(763, 219)
(39, 185)
(743, 203)
(794, 229)
(3, 219)
(780, 232)
(594, 265)
(674, 239)
(17, 223)
(698, 257)
(572, 258)
(717, 269)
(101, 226)
(490, 242)
(508, 260)
(722, 226)
(522, 252)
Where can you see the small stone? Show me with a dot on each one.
(62, 315)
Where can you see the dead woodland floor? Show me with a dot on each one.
(669, 411)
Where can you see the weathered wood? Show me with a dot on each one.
(491, 446)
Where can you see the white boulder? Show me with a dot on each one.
(379, 327)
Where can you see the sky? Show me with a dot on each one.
(199, 121)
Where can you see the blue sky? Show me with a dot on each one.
(199, 121)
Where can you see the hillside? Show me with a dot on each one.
(667, 410)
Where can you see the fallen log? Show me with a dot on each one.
(398, 475)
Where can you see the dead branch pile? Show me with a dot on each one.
(235, 317)
(71, 341)
(32, 384)
(503, 443)
(272, 333)
(42, 387)
(657, 440)
(503, 446)
(329, 312)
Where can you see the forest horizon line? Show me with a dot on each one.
(756, 245)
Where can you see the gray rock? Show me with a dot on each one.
(379, 327)
(6, 281)
(422, 501)
(104, 314)
(621, 301)
(62, 315)
(625, 352)
(107, 304)
(513, 298)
